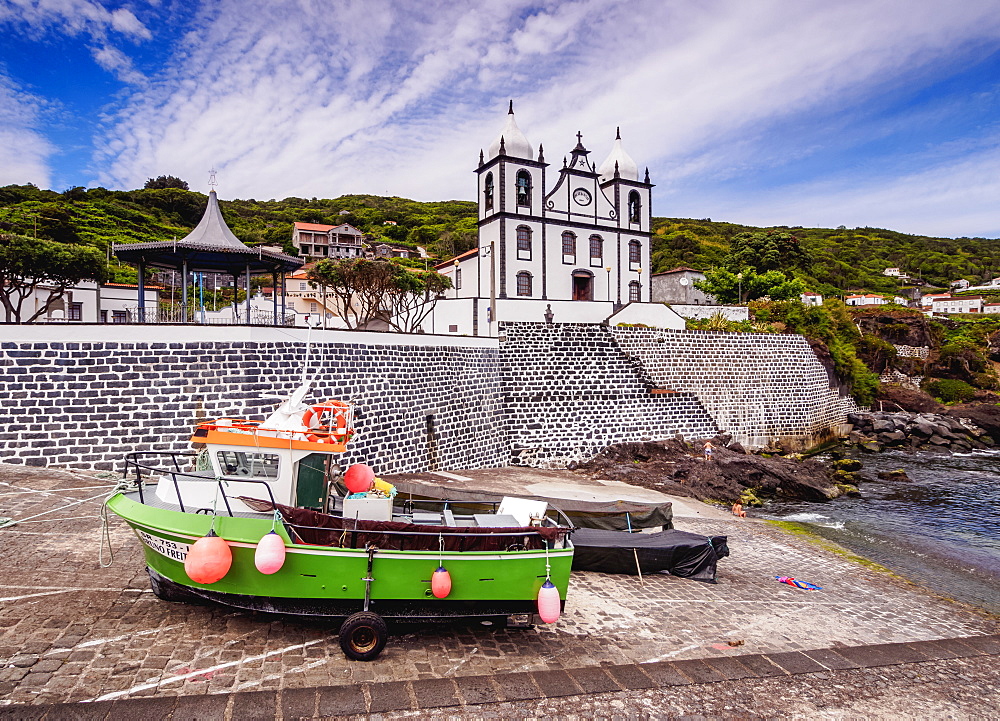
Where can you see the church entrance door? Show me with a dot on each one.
(583, 286)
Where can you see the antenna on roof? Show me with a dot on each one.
(211, 178)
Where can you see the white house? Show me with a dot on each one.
(571, 249)
(88, 302)
(866, 299)
(892, 272)
(927, 301)
(316, 241)
(958, 304)
(811, 299)
(991, 307)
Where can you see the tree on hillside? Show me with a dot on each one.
(729, 287)
(364, 290)
(165, 181)
(28, 265)
(767, 250)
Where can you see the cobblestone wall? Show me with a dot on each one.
(550, 394)
(87, 404)
(758, 387)
(569, 391)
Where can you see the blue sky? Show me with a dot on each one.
(878, 113)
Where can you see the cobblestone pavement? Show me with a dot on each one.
(72, 631)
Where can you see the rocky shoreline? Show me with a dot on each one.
(874, 432)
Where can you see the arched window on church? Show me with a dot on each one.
(634, 254)
(634, 207)
(634, 292)
(523, 242)
(524, 283)
(569, 247)
(523, 188)
(488, 192)
(596, 251)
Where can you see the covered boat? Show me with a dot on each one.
(251, 523)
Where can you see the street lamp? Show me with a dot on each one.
(608, 268)
(455, 263)
(739, 278)
(639, 273)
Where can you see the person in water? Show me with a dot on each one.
(738, 510)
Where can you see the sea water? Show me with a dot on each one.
(940, 529)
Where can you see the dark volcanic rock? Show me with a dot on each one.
(897, 475)
(674, 467)
(986, 417)
(908, 399)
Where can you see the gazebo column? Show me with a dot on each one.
(184, 295)
(236, 297)
(283, 311)
(248, 294)
(274, 297)
(142, 291)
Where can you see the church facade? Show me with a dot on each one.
(576, 245)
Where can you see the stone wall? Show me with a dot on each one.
(761, 388)
(540, 395)
(423, 403)
(569, 391)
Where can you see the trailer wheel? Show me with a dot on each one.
(363, 636)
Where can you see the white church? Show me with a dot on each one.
(576, 250)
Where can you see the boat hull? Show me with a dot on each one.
(330, 582)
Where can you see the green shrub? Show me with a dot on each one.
(950, 391)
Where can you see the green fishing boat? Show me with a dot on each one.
(254, 522)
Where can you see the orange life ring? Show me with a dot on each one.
(338, 426)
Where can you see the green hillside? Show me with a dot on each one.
(838, 260)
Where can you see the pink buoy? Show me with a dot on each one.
(441, 582)
(359, 478)
(549, 606)
(209, 559)
(270, 554)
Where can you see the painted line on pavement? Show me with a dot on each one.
(203, 671)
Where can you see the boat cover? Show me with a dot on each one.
(609, 515)
(322, 529)
(688, 555)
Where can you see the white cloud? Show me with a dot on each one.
(324, 98)
(115, 61)
(24, 152)
(73, 17)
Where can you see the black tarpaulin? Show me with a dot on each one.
(688, 555)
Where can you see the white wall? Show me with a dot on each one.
(654, 315)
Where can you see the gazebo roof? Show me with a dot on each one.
(211, 247)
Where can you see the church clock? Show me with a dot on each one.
(581, 196)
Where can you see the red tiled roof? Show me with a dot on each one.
(314, 226)
(463, 256)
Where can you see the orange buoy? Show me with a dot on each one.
(270, 554)
(209, 559)
(359, 478)
(549, 607)
(441, 582)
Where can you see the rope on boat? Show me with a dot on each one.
(106, 527)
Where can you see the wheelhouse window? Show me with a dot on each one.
(634, 207)
(524, 283)
(488, 192)
(634, 292)
(524, 188)
(569, 247)
(523, 242)
(250, 465)
(634, 254)
(596, 250)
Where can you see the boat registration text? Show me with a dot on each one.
(170, 549)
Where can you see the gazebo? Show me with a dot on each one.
(210, 248)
